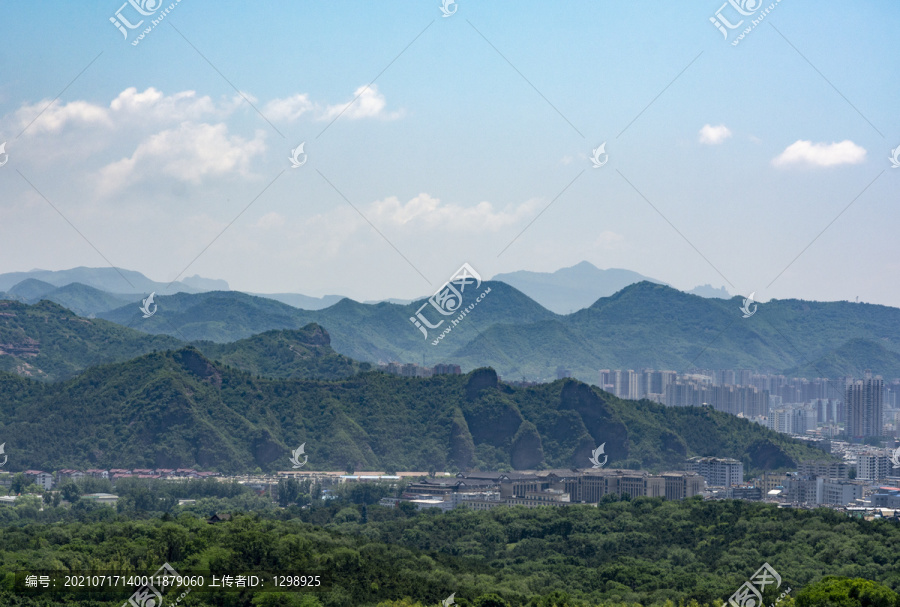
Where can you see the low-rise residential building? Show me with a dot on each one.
(824, 469)
(745, 492)
(718, 472)
(101, 498)
(839, 492)
(68, 475)
(873, 466)
(39, 478)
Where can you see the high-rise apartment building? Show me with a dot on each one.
(864, 406)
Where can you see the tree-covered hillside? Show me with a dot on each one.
(303, 353)
(177, 409)
(45, 341)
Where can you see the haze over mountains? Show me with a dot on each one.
(562, 291)
(569, 289)
(645, 325)
(112, 280)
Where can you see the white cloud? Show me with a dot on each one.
(128, 110)
(55, 117)
(189, 153)
(369, 103)
(714, 135)
(428, 212)
(289, 108)
(270, 220)
(820, 154)
(609, 240)
(153, 104)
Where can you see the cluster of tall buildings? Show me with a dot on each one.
(857, 408)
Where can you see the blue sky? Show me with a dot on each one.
(725, 162)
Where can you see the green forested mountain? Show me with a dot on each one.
(370, 332)
(853, 358)
(177, 409)
(79, 298)
(48, 342)
(30, 289)
(297, 354)
(648, 325)
(643, 325)
(84, 300)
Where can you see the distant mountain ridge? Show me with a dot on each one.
(570, 289)
(111, 280)
(644, 325)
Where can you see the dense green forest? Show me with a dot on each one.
(179, 409)
(644, 551)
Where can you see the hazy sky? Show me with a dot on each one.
(724, 162)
